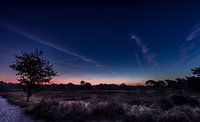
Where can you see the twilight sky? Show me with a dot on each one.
(101, 41)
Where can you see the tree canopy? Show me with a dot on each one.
(33, 68)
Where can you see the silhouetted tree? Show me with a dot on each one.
(82, 82)
(157, 85)
(180, 84)
(122, 85)
(151, 83)
(87, 84)
(171, 83)
(33, 69)
(196, 71)
(161, 83)
(193, 83)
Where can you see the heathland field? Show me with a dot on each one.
(107, 105)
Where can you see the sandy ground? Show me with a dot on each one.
(11, 113)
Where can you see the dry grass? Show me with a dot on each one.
(108, 106)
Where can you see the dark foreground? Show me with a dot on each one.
(11, 113)
(121, 106)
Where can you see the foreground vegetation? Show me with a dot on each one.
(156, 101)
(115, 105)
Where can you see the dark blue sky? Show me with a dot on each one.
(101, 41)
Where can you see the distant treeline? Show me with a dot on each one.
(180, 85)
(189, 84)
(9, 86)
(70, 86)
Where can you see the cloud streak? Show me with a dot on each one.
(140, 43)
(138, 59)
(64, 50)
(144, 49)
(187, 47)
(195, 32)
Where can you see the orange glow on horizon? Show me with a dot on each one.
(76, 81)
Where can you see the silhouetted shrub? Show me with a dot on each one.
(73, 111)
(110, 111)
(182, 114)
(174, 108)
(138, 113)
(165, 104)
(45, 109)
(51, 110)
(184, 100)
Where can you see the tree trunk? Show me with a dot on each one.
(28, 93)
(27, 98)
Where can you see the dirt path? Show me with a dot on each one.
(11, 113)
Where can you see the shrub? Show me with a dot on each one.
(142, 114)
(176, 100)
(51, 110)
(45, 109)
(165, 104)
(184, 100)
(73, 111)
(182, 114)
(169, 109)
(107, 110)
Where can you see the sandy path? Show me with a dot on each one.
(11, 113)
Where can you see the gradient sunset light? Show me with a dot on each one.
(100, 42)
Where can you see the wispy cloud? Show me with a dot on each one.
(4, 50)
(187, 47)
(138, 59)
(195, 32)
(42, 41)
(144, 49)
(68, 51)
(5, 53)
(140, 43)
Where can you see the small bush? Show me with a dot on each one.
(108, 110)
(184, 100)
(142, 114)
(182, 114)
(165, 104)
(51, 110)
(169, 109)
(73, 111)
(45, 109)
(176, 100)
